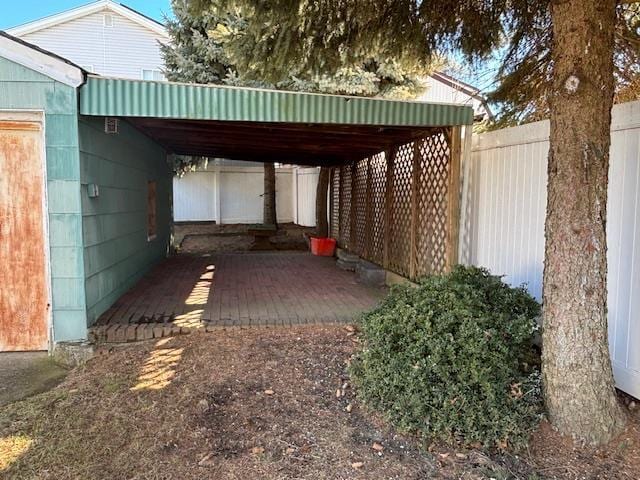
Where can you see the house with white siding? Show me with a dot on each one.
(445, 88)
(103, 37)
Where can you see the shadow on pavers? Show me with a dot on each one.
(23, 374)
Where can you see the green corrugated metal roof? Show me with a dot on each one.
(136, 98)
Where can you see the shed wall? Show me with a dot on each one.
(117, 252)
(25, 89)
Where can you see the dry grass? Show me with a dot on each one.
(236, 404)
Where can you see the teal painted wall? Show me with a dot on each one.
(114, 224)
(22, 88)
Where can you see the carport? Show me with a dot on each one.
(394, 198)
(267, 125)
(96, 202)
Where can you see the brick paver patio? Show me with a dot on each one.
(235, 289)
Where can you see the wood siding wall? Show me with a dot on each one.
(506, 202)
(117, 251)
(24, 89)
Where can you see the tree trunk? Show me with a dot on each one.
(322, 225)
(577, 376)
(269, 197)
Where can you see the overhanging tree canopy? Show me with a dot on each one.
(311, 36)
(577, 373)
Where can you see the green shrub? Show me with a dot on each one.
(453, 359)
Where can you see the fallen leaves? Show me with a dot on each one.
(377, 447)
(257, 450)
(206, 461)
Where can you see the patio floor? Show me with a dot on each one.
(235, 289)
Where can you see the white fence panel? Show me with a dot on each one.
(506, 202)
(194, 197)
(241, 192)
(306, 185)
(230, 194)
(284, 195)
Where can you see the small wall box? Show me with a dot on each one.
(93, 190)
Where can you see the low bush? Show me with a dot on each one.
(453, 359)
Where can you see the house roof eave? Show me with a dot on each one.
(85, 10)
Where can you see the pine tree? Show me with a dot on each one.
(192, 55)
(211, 45)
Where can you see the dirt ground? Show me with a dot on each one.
(252, 404)
(23, 374)
(208, 237)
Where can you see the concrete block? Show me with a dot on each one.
(395, 279)
(346, 256)
(72, 354)
(158, 331)
(370, 274)
(348, 266)
(131, 333)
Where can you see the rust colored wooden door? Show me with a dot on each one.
(23, 272)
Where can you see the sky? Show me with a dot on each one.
(17, 12)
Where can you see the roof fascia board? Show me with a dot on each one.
(103, 96)
(41, 62)
(83, 11)
(456, 84)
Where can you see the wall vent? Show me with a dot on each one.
(111, 125)
(107, 20)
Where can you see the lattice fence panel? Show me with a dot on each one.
(359, 197)
(400, 211)
(433, 197)
(335, 203)
(345, 208)
(400, 218)
(378, 187)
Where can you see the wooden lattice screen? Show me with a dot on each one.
(400, 208)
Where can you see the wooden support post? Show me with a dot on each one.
(340, 206)
(413, 229)
(353, 231)
(331, 203)
(388, 197)
(368, 228)
(453, 201)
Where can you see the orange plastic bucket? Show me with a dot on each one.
(324, 247)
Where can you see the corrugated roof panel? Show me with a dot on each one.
(137, 98)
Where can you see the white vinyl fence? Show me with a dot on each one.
(305, 183)
(503, 221)
(232, 193)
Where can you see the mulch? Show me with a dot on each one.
(271, 403)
